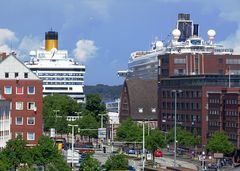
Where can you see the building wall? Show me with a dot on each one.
(223, 113)
(25, 113)
(195, 64)
(4, 122)
(203, 109)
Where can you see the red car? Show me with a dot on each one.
(158, 153)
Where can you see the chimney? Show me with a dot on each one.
(195, 30)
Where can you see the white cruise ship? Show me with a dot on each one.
(60, 74)
(185, 39)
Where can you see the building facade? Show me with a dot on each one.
(204, 105)
(23, 89)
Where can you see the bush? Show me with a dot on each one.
(117, 162)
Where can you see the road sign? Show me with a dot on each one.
(102, 133)
(52, 132)
(149, 156)
(218, 155)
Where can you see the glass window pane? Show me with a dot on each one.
(31, 90)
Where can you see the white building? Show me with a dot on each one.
(4, 122)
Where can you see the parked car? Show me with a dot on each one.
(158, 153)
(131, 151)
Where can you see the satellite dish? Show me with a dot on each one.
(32, 53)
(176, 34)
(211, 34)
(159, 44)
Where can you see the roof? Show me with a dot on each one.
(142, 94)
(12, 64)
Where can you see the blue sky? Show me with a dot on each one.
(102, 33)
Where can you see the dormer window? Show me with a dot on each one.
(16, 74)
(6, 75)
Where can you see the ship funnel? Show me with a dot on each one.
(195, 29)
(51, 40)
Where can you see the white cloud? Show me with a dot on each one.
(6, 35)
(229, 11)
(29, 43)
(84, 50)
(233, 40)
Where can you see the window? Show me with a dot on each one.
(16, 74)
(31, 90)
(19, 90)
(6, 75)
(31, 120)
(19, 120)
(8, 90)
(30, 136)
(19, 105)
(25, 75)
(31, 105)
(179, 60)
(19, 134)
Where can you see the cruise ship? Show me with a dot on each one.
(185, 39)
(60, 74)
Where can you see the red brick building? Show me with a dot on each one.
(173, 64)
(24, 90)
(206, 104)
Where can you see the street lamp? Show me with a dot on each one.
(72, 139)
(140, 110)
(203, 160)
(102, 119)
(111, 122)
(175, 124)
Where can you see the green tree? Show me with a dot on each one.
(94, 104)
(129, 131)
(184, 137)
(88, 121)
(219, 143)
(117, 162)
(16, 152)
(58, 164)
(155, 140)
(3, 165)
(61, 106)
(90, 164)
(45, 152)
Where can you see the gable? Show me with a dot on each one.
(12, 65)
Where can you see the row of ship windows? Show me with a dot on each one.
(19, 89)
(62, 79)
(60, 74)
(62, 83)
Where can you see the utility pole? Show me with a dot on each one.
(72, 140)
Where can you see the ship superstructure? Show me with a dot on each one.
(60, 74)
(185, 39)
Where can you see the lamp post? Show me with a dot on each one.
(102, 119)
(175, 124)
(203, 161)
(72, 140)
(111, 122)
(140, 110)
